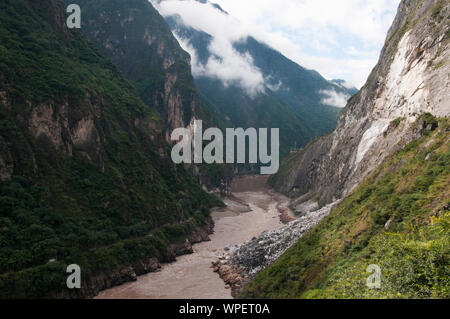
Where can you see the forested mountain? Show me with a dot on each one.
(86, 175)
(139, 42)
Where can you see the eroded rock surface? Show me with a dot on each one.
(411, 77)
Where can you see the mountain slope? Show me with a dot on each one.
(292, 94)
(410, 78)
(139, 42)
(398, 219)
(389, 161)
(85, 173)
(300, 88)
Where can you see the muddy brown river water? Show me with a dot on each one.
(252, 209)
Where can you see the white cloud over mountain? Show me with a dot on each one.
(333, 98)
(225, 63)
(340, 39)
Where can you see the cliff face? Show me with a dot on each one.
(138, 41)
(86, 175)
(411, 77)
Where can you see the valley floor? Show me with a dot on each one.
(251, 209)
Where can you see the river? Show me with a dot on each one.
(251, 209)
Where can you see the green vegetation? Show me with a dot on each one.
(106, 205)
(265, 111)
(397, 121)
(212, 175)
(146, 51)
(295, 108)
(398, 219)
(430, 122)
(139, 42)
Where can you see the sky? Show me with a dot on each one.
(341, 39)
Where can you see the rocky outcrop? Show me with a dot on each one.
(56, 124)
(241, 263)
(411, 77)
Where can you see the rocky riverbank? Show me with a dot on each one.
(240, 263)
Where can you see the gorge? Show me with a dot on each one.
(87, 178)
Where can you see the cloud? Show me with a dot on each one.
(225, 63)
(340, 39)
(343, 84)
(333, 98)
(275, 86)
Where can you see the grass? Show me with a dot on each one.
(413, 253)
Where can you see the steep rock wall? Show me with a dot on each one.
(411, 77)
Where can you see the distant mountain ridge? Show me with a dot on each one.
(351, 89)
(293, 97)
